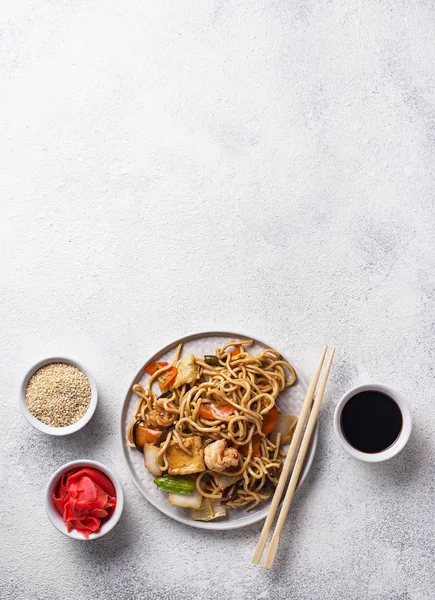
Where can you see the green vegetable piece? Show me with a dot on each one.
(212, 360)
(178, 485)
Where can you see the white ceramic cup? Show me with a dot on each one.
(56, 518)
(69, 428)
(404, 434)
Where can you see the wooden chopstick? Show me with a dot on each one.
(298, 465)
(288, 461)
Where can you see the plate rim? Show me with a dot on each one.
(219, 525)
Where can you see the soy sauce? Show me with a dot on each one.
(371, 421)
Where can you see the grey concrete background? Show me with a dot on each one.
(171, 167)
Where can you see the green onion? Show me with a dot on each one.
(178, 485)
(212, 360)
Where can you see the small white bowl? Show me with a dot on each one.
(405, 432)
(48, 428)
(56, 518)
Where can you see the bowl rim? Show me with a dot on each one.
(403, 437)
(56, 519)
(220, 525)
(58, 431)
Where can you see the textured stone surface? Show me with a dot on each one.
(171, 167)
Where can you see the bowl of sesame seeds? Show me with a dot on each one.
(58, 396)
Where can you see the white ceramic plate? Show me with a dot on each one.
(290, 401)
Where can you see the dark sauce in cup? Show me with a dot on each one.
(371, 421)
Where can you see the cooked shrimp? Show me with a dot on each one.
(219, 458)
(159, 418)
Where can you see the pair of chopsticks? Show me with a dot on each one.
(310, 411)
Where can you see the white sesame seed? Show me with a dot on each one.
(58, 394)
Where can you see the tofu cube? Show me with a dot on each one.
(180, 463)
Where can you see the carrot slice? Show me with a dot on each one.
(236, 350)
(167, 378)
(152, 367)
(206, 412)
(144, 435)
(152, 435)
(270, 421)
(216, 410)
